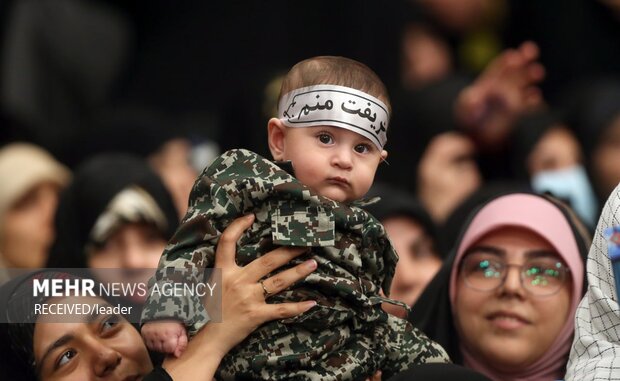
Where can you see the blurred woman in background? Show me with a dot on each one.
(115, 214)
(31, 181)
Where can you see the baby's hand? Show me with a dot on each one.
(167, 336)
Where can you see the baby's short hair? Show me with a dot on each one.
(334, 70)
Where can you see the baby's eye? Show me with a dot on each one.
(362, 148)
(65, 357)
(325, 138)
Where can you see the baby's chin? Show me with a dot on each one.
(337, 194)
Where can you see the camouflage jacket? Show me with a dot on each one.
(347, 336)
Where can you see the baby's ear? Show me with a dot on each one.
(384, 155)
(276, 132)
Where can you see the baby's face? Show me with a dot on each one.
(332, 161)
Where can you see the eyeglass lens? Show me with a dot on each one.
(541, 276)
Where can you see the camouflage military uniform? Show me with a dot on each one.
(347, 336)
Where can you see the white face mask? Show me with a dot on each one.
(571, 185)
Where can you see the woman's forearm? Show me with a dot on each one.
(200, 360)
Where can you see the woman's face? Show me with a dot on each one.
(133, 246)
(135, 249)
(28, 229)
(88, 348)
(417, 264)
(557, 149)
(509, 328)
(426, 57)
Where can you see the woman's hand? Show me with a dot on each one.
(506, 88)
(243, 299)
(243, 303)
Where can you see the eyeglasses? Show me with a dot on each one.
(539, 276)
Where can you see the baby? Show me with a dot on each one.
(327, 143)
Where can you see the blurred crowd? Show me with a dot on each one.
(109, 110)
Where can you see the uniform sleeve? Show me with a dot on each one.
(190, 251)
(407, 345)
(237, 182)
(595, 354)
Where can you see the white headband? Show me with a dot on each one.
(337, 106)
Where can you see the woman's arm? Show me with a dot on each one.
(243, 304)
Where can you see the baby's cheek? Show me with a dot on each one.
(309, 178)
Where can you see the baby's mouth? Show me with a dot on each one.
(339, 181)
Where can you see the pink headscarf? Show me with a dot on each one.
(545, 219)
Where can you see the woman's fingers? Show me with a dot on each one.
(227, 246)
(529, 50)
(283, 280)
(262, 266)
(285, 310)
